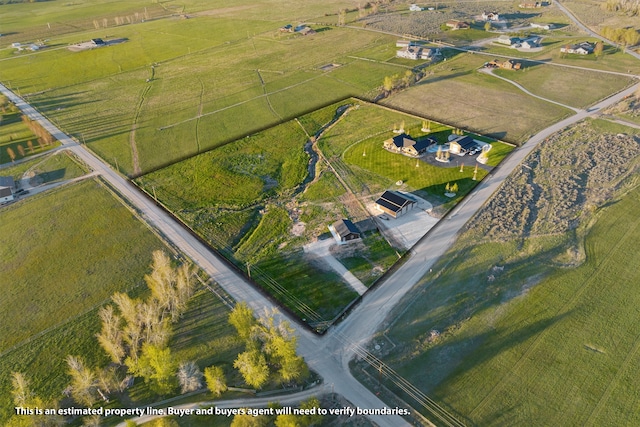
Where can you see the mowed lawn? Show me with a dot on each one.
(459, 95)
(558, 346)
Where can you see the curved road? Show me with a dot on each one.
(328, 355)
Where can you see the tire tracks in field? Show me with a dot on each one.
(132, 133)
(266, 95)
(200, 108)
(565, 307)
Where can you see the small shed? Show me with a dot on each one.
(344, 231)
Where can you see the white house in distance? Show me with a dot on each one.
(415, 8)
(490, 16)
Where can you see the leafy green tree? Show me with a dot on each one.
(598, 49)
(250, 421)
(253, 366)
(487, 26)
(84, 384)
(216, 381)
(156, 366)
(242, 319)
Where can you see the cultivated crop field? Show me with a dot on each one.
(255, 203)
(514, 319)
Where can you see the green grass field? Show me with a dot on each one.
(59, 252)
(567, 85)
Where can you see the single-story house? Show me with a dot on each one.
(415, 8)
(404, 144)
(457, 25)
(286, 28)
(461, 144)
(97, 42)
(584, 48)
(344, 230)
(6, 195)
(490, 16)
(394, 204)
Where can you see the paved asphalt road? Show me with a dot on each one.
(328, 355)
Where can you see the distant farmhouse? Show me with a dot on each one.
(461, 145)
(408, 146)
(394, 204)
(457, 25)
(286, 28)
(584, 48)
(412, 50)
(344, 231)
(415, 8)
(490, 16)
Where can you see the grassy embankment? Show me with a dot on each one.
(535, 305)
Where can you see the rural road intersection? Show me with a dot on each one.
(330, 354)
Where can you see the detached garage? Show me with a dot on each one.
(394, 204)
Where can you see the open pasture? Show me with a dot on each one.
(177, 87)
(63, 254)
(577, 88)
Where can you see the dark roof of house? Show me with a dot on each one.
(393, 201)
(5, 191)
(423, 143)
(465, 142)
(97, 41)
(403, 140)
(344, 227)
(7, 181)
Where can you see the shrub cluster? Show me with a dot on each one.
(567, 175)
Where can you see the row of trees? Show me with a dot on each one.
(398, 82)
(625, 36)
(41, 133)
(631, 7)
